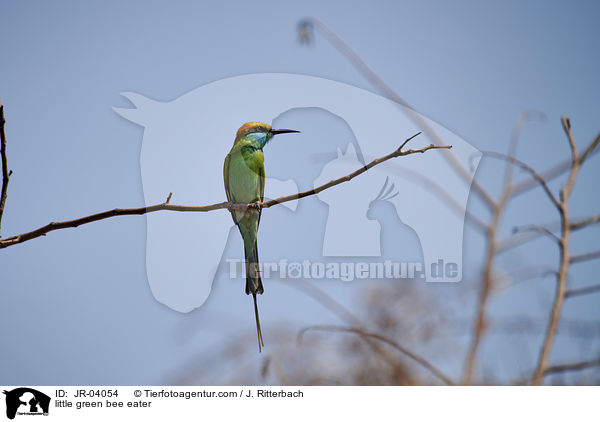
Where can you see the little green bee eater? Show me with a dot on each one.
(244, 175)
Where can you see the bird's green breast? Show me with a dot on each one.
(245, 174)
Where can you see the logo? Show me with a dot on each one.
(26, 401)
(407, 210)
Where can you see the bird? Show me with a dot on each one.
(244, 177)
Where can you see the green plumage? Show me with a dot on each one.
(244, 176)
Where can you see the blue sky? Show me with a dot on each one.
(76, 304)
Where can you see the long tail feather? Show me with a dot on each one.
(254, 286)
(261, 343)
(253, 280)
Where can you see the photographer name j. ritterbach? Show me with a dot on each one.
(345, 271)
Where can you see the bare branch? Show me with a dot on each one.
(524, 118)
(582, 291)
(348, 177)
(528, 169)
(577, 366)
(548, 174)
(517, 239)
(526, 273)
(420, 360)
(42, 231)
(579, 224)
(488, 274)
(584, 257)
(520, 237)
(342, 312)
(442, 194)
(566, 123)
(565, 260)
(565, 367)
(166, 206)
(591, 149)
(479, 327)
(538, 229)
(307, 24)
(5, 173)
(557, 169)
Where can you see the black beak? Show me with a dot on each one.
(280, 131)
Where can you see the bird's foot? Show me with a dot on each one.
(255, 205)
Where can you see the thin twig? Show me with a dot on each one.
(538, 229)
(166, 206)
(498, 208)
(304, 27)
(42, 231)
(5, 173)
(536, 176)
(591, 149)
(549, 174)
(577, 366)
(565, 367)
(579, 224)
(557, 169)
(486, 287)
(567, 127)
(440, 193)
(565, 260)
(436, 189)
(487, 281)
(520, 237)
(524, 118)
(344, 313)
(397, 153)
(582, 291)
(585, 257)
(420, 360)
(527, 273)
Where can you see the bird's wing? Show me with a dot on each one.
(261, 187)
(226, 180)
(261, 182)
